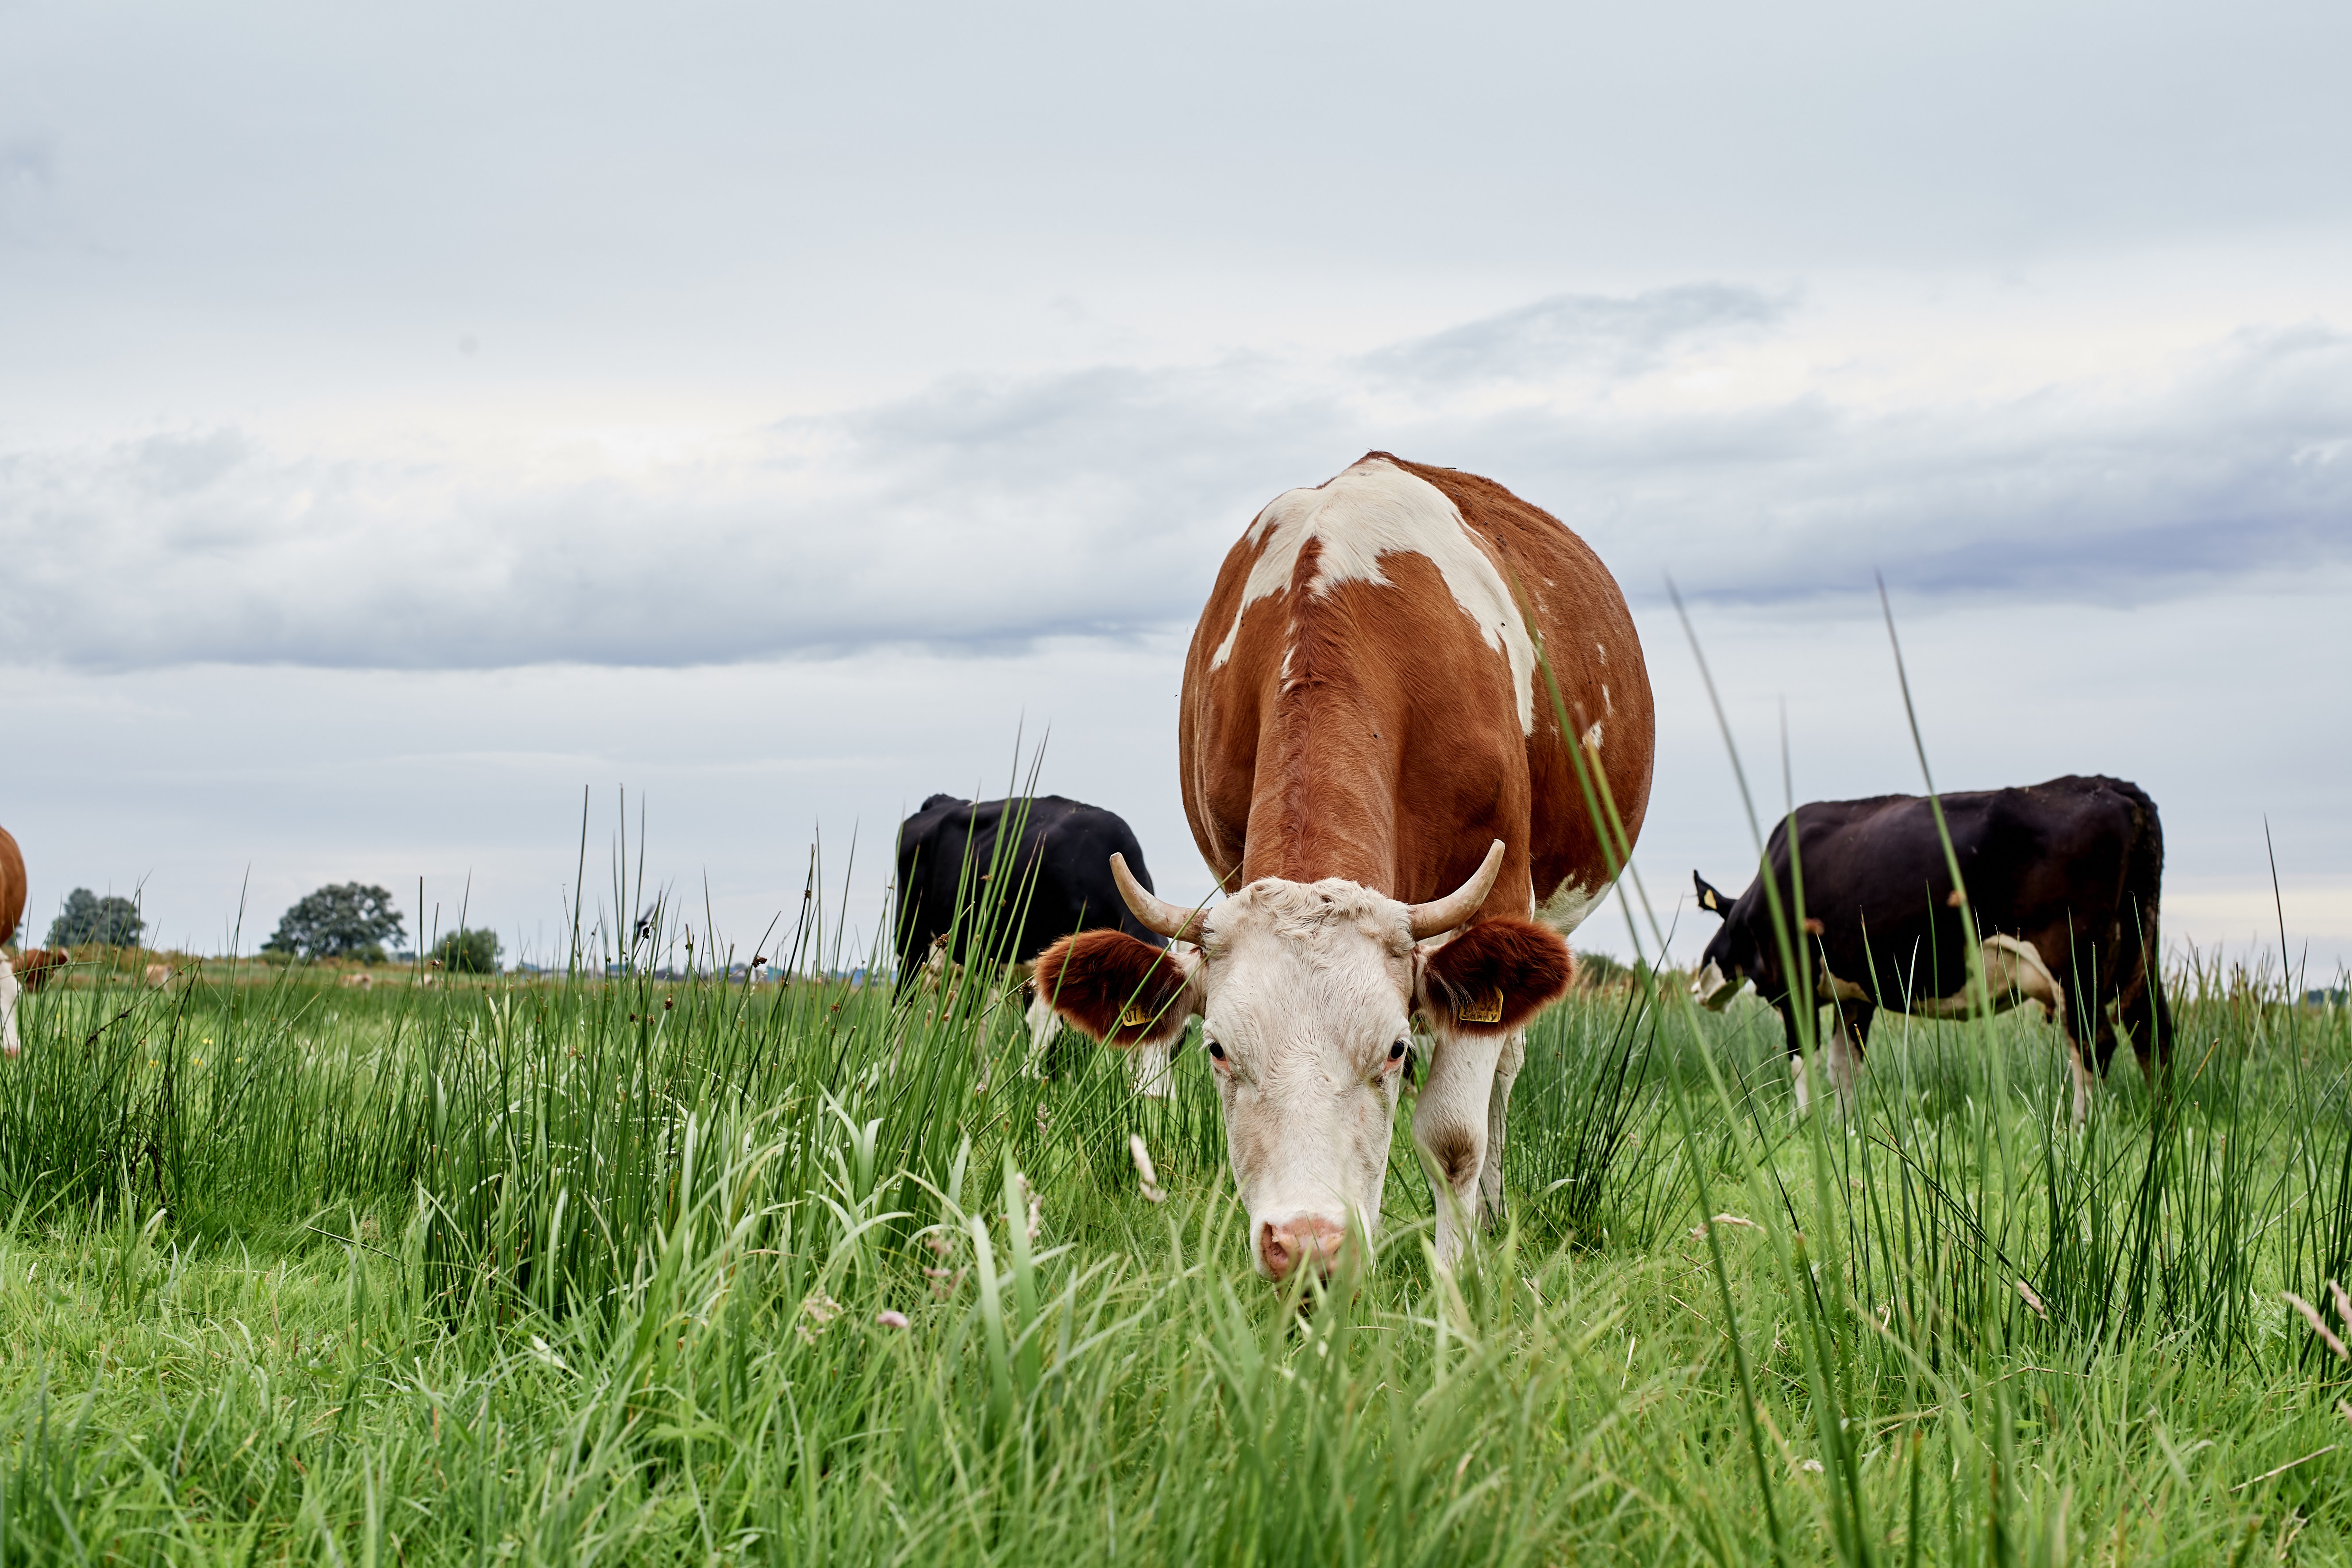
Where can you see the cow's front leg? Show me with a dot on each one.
(1152, 1065)
(1044, 1024)
(1449, 1126)
(1797, 1073)
(1849, 1027)
(1498, 1113)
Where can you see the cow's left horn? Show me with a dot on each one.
(1441, 915)
(1154, 912)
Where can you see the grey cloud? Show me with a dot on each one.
(984, 515)
(1579, 335)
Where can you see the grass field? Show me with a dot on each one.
(593, 1271)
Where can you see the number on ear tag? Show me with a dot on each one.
(1136, 1017)
(1488, 1012)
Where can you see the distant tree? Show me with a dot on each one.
(463, 951)
(343, 920)
(87, 918)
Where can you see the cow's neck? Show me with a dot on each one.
(1324, 798)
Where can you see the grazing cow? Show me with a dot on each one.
(159, 975)
(2060, 881)
(34, 965)
(12, 909)
(1059, 875)
(359, 980)
(1372, 752)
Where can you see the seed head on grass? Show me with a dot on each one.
(2318, 1325)
(891, 1319)
(1143, 1168)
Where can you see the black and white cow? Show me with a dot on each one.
(2061, 880)
(950, 853)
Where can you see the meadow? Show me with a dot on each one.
(615, 1267)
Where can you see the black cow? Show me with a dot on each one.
(2061, 880)
(950, 858)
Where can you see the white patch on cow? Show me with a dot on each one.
(1565, 910)
(1044, 1024)
(1607, 707)
(1592, 740)
(2013, 972)
(10, 1044)
(1306, 984)
(1372, 510)
(1831, 989)
(1712, 989)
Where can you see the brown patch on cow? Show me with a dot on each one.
(1496, 976)
(33, 966)
(1389, 753)
(1115, 988)
(12, 885)
(1814, 926)
(1454, 1150)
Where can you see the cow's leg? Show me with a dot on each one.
(2070, 1024)
(2148, 1020)
(1449, 1125)
(1044, 1024)
(1498, 1113)
(10, 1045)
(1796, 1055)
(1849, 1027)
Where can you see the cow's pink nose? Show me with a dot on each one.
(1285, 1246)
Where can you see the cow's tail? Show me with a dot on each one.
(2140, 1002)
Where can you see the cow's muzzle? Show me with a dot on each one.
(1300, 1242)
(1712, 989)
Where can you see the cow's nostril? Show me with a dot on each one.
(1274, 1249)
(1287, 1246)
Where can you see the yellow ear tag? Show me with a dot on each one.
(1136, 1017)
(1482, 1012)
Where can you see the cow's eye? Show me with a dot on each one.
(1216, 1051)
(1396, 1052)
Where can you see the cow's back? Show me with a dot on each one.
(12, 886)
(950, 853)
(1356, 705)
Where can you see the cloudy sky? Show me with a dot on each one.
(411, 417)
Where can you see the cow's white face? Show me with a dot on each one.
(1713, 988)
(1306, 990)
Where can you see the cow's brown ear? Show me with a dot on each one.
(1118, 990)
(1494, 976)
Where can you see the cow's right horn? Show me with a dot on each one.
(1152, 911)
(1442, 915)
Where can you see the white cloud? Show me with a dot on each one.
(987, 513)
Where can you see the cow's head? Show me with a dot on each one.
(1306, 992)
(1731, 960)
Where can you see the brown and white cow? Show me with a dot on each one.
(1371, 757)
(12, 909)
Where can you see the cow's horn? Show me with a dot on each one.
(1152, 911)
(1441, 915)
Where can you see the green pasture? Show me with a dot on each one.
(590, 1271)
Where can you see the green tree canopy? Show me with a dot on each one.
(343, 920)
(87, 918)
(463, 951)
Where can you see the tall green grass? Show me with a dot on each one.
(590, 1268)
